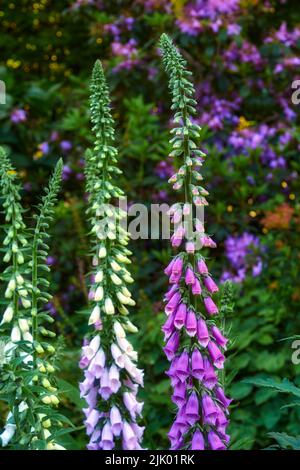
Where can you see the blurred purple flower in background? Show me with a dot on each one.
(18, 115)
(242, 251)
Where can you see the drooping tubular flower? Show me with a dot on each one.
(112, 377)
(194, 343)
(28, 358)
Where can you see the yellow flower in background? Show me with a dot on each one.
(178, 6)
(38, 154)
(12, 172)
(244, 124)
(13, 64)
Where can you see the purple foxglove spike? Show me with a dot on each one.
(197, 365)
(220, 339)
(177, 266)
(92, 421)
(202, 333)
(179, 393)
(221, 396)
(196, 287)
(105, 388)
(172, 346)
(114, 378)
(189, 277)
(197, 441)
(216, 355)
(107, 438)
(171, 292)
(172, 304)
(191, 323)
(182, 367)
(210, 306)
(116, 421)
(180, 316)
(168, 327)
(202, 268)
(168, 269)
(210, 285)
(129, 437)
(215, 442)
(210, 410)
(192, 409)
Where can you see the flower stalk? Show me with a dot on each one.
(112, 378)
(27, 383)
(194, 343)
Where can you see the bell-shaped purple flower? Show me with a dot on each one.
(116, 421)
(197, 365)
(107, 438)
(179, 394)
(172, 346)
(189, 277)
(210, 306)
(177, 266)
(180, 316)
(221, 396)
(215, 442)
(209, 379)
(114, 378)
(192, 409)
(210, 410)
(202, 333)
(197, 441)
(202, 268)
(172, 304)
(129, 437)
(220, 339)
(168, 327)
(196, 287)
(182, 367)
(191, 323)
(91, 421)
(210, 285)
(105, 386)
(216, 355)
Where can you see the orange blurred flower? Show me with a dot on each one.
(280, 218)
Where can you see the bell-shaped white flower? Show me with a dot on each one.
(109, 306)
(8, 314)
(98, 294)
(95, 315)
(7, 434)
(15, 334)
(119, 330)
